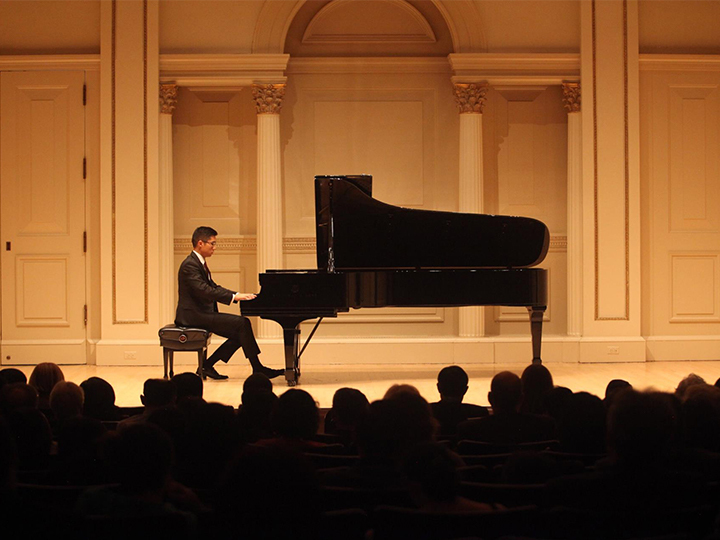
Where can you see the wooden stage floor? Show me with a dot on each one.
(321, 381)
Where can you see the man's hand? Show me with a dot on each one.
(243, 296)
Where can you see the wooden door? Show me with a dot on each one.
(683, 118)
(42, 192)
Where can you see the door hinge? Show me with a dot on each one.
(8, 246)
(84, 94)
(84, 168)
(84, 241)
(85, 314)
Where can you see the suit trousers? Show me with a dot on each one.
(236, 328)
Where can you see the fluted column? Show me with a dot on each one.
(268, 101)
(470, 99)
(571, 99)
(168, 279)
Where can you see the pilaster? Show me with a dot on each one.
(470, 99)
(572, 99)
(611, 184)
(129, 181)
(268, 102)
(168, 278)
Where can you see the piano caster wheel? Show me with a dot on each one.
(292, 383)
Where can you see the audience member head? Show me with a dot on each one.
(687, 382)
(99, 399)
(397, 389)
(536, 381)
(505, 392)
(297, 415)
(79, 451)
(158, 393)
(701, 417)
(188, 385)
(349, 408)
(80, 436)
(172, 421)
(582, 428)
(272, 494)
(613, 388)
(66, 400)
(257, 382)
(452, 383)
(43, 378)
(8, 458)
(395, 425)
(255, 415)
(211, 429)
(33, 437)
(557, 401)
(18, 395)
(432, 474)
(142, 455)
(717, 383)
(11, 375)
(641, 427)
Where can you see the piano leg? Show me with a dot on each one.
(291, 336)
(536, 319)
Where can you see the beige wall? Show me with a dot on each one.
(369, 90)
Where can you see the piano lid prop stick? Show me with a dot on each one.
(309, 337)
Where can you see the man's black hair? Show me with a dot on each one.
(204, 234)
(452, 381)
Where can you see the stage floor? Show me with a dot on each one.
(321, 381)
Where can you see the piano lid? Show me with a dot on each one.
(356, 231)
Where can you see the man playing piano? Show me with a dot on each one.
(198, 296)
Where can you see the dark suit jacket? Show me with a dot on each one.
(450, 413)
(198, 295)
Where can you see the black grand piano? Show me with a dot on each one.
(371, 254)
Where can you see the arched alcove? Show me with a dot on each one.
(369, 28)
(461, 19)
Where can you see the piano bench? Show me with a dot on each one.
(178, 338)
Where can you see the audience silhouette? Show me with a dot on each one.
(632, 465)
(452, 384)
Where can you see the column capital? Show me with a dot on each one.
(470, 98)
(268, 97)
(168, 98)
(571, 96)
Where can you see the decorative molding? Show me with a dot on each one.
(679, 62)
(470, 98)
(248, 244)
(558, 244)
(168, 98)
(326, 19)
(510, 68)
(268, 98)
(571, 96)
(145, 165)
(295, 244)
(299, 245)
(225, 243)
(595, 169)
(368, 65)
(31, 62)
(230, 70)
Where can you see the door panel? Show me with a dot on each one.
(42, 205)
(684, 189)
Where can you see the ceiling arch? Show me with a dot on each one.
(461, 16)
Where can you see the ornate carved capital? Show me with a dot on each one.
(470, 98)
(268, 98)
(168, 98)
(571, 96)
